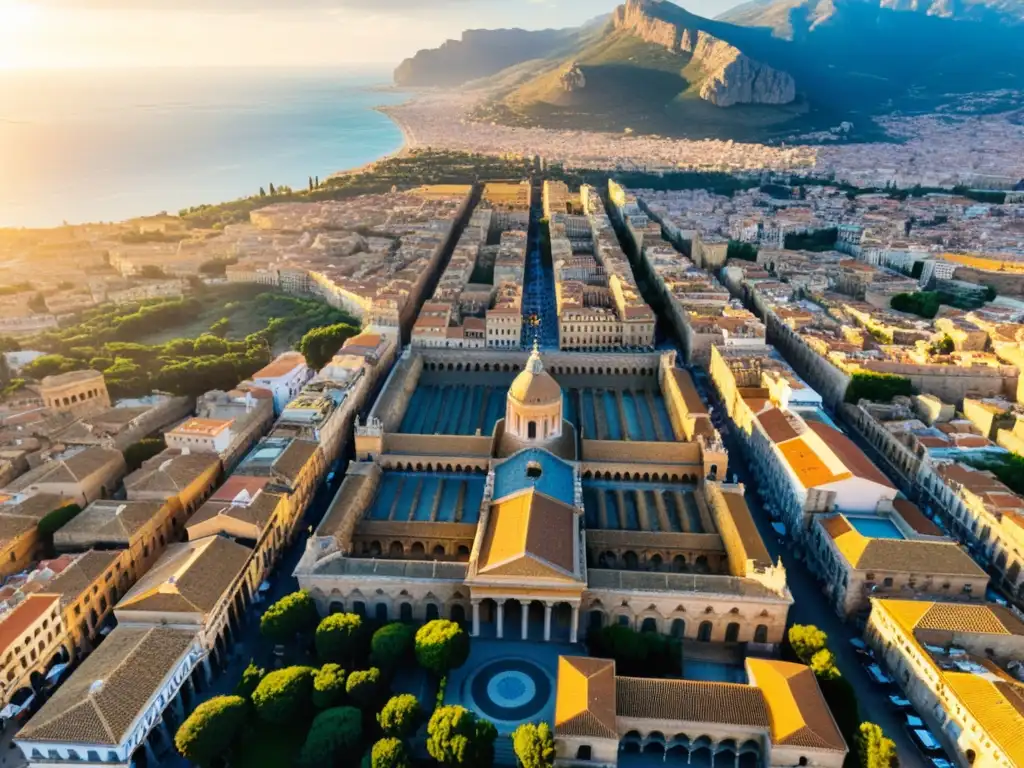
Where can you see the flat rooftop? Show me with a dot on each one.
(425, 497)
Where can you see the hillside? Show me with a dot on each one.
(480, 53)
(767, 69)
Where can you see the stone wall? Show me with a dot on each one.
(398, 390)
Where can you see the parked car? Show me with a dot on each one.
(899, 703)
(861, 648)
(877, 675)
(913, 721)
(925, 741)
(940, 762)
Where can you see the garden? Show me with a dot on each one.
(346, 706)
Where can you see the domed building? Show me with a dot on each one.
(533, 412)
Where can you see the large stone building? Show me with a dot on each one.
(953, 661)
(82, 393)
(777, 718)
(510, 503)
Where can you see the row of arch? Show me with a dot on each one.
(662, 562)
(419, 466)
(89, 394)
(417, 550)
(646, 477)
(404, 608)
(555, 369)
(700, 752)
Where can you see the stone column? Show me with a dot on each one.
(501, 619)
(207, 671)
(476, 618)
(525, 610)
(547, 622)
(574, 625)
(179, 705)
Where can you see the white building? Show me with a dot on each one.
(284, 377)
(201, 436)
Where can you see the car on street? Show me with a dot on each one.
(899, 703)
(940, 762)
(926, 741)
(877, 675)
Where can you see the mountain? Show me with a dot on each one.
(480, 53)
(767, 69)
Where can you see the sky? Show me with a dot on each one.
(174, 33)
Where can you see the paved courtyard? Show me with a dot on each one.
(509, 682)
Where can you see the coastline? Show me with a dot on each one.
(403, 150)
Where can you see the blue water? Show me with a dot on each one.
(82, 146)
(876, 527)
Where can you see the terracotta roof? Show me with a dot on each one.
(257, 513)
(208, 427)
(109, 521)
(279, 366)
(236, 484)
(776, 425)
(798, 712)
(809, 468)
(189, 577)
(694, 701)
(296, 456)
(915, 518)
(529, 533)
(585, 700)
(24, 615)
(101, 701)
(846, 451)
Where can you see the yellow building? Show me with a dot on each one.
(89, 588)
(778, 718)
(952, 661)
(31, 636)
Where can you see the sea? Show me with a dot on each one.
(82, 146)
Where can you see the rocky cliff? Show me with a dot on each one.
(730, 76)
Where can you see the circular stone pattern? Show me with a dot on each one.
(510, 689)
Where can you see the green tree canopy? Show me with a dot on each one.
(329, 686)
(389, 753)
(54, 521)
(806, 640)
(292, 614)
(392, 645)
(319, 345)
(136, 454)
(251, 677)
(365, 687)
(876, 751)
(823, 663)
(284, 695)
(456, 738)
(334, 734)
(401, 716)
(441, 646)
(534, 745)
(207, 734)
(339, 638)
(878, 387)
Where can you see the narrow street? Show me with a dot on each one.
(811, 605)
(540, 316)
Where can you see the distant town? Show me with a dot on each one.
(596, 464)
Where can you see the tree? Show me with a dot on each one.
(319, 345)
(365, 687)
(441, 646)
(456, 738)
(392, 645)
(389, 753)
(272, 190)
(207, 734)
(878, 387)
(806, 640)
(401, 716)
(823, 663)
(284, 695)
(334, 733)
(289, 616)
(876, 751)
(54, 521)
(534, 745)
(136, 454)
(329, 686)
(263, 192)
(339, 638)
(990, 293)
(251, 677)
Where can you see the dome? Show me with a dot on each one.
(534, 386)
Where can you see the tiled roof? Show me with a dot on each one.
(529, 534)
(256, 513)
(169, 473)
(79, 576)
(853, 458)
(110, 521)
(24, 615)
(798, 712)
(915, 518)
(998, 706)
(809, 468)
(279, 366)
(100, 702)
(695, 701)
(988, 619)
(236, 484)
(292, 460)
(188, 577)
(556, 478)
(777, 426)
(585, 700)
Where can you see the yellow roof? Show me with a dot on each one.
(585, 700)
(807, 465)
(798, 712)
(998, 706)
(529, 534)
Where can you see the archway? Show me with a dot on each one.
(761, 634)
(732, 632)
(678, 628)
(704, 632)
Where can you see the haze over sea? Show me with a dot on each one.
(105, 145)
